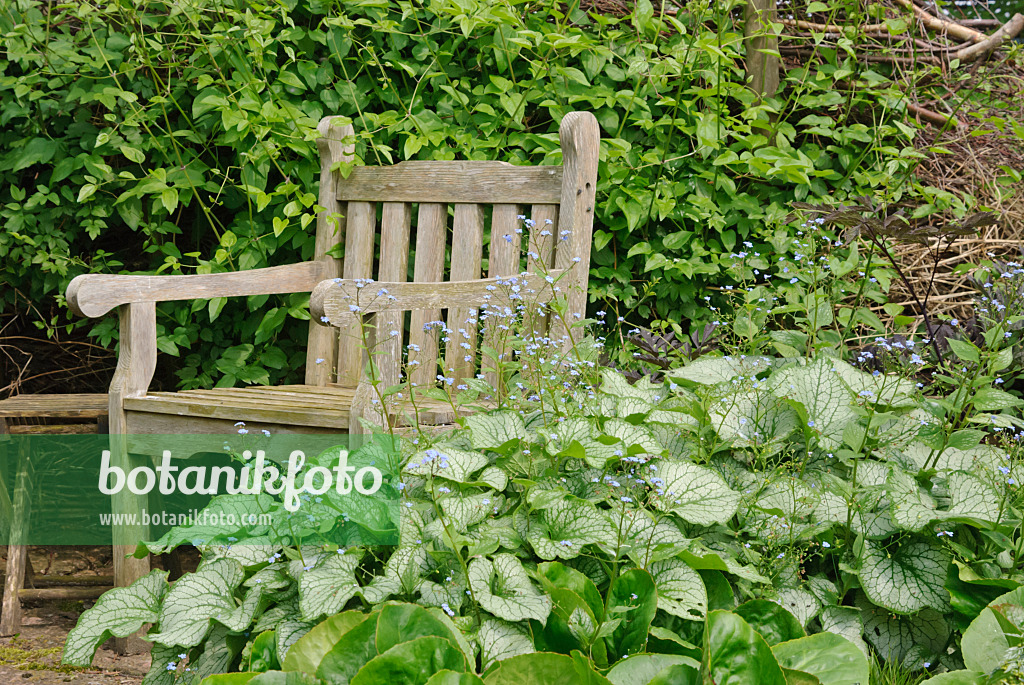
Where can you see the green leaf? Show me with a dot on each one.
(494, 429)
(680, 589)
(735, 654)
(197, 598)
(963, 349)
(502, 587)
(555, 574)
(543, 667)
(830, 658)
(281, 678)
(994, 399)
(845, 621)
(36, 151)
(566, 527)
(984, 643)
(958, 678)
(825, 397)
(500, 640)
(306, 654)
(972, 498)
(403, 622)
(326, 589)
(642, 668)
(696, 493)
(906, 578)
(412, 662)
(715, 370)
(910, 639)
(446, 462)
(633, 599)
(118, 613)
(350, 653)
(447, 677)
(774, 623)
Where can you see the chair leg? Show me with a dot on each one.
(17, 551)
(128, 509)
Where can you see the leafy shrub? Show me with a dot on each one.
(177, 138)
(767, 494)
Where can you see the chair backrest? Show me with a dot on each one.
(428, 222)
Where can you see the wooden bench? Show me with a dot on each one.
(37, 415)
(457, 205)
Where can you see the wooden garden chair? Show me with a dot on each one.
(428, 251)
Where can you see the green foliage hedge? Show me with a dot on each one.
(177, 137)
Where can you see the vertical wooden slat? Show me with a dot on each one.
(136, 363)
(431, 224)
(321, 350)
(581, 139)
(467, 255)
(362, 219)
(394, 266)
(540, 257)
(17, 551)
(506, 250)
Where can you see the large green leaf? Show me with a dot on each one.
(350, 653)
(491, 430)
(697, 494)
(984, 643)
(306, 654)
(642, 668)
(282, 678)
(823, 394)
(412, 662)
(734, 653)
(544, 667)
(911, 639)
(403, 622)
(715, 370)
(680, 589)
(958, 678)
(118, 613)
(500, 640)
(197, 598)
(752, 419)
(447, 677)
(845, 621)
(972, 498)
(906, 578)
(326, 589)
(774, 623)
(565, 528)
(632, 598)
(570, 625)
(556, 574)
(502, 587)
(830, 658)
(445, 461)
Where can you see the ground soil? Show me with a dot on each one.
(33, 655)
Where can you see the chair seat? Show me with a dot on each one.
(307, 406)
(78, 406)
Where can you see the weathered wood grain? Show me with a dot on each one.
(136, 363)
(83, 406)
(332, 299)
(394, 267)
(504, 260)
(335, 145)
(94, 295)
(431, 231)
(581, 139)
(466, 263)
(466, 182)
(359, 244)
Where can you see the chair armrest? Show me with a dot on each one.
(94, 295)
(332, 301)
